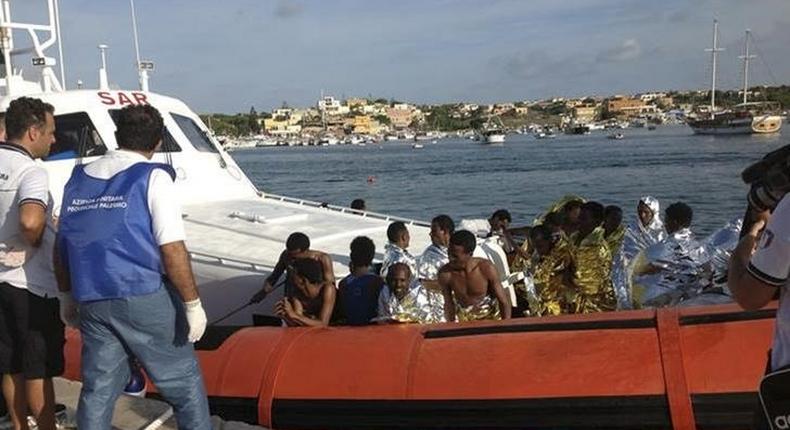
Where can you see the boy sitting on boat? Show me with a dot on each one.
(296, 246)
(358, 293)
(471, 286)
(311, 300)
(672, 269)
(592, 262)
(433, 258)
(551, 272)
(396, 251)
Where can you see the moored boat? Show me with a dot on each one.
(744, 118)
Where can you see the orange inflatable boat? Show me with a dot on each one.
(679, 368)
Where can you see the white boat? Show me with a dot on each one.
(616, 136)
(493, 130)
(418, 146)
(545, 134)
(494, 136)
(235, 231)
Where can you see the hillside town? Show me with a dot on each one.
(357, 120)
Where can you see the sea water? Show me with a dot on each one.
(466, 179)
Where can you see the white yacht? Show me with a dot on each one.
(235, 232)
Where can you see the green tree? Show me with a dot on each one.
(253, 125)
(383, 119)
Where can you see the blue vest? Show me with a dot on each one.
(105, 234)
(359, 299)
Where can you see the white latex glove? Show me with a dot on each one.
(69, 312)
(196, 318)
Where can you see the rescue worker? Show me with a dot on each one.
(121, 253)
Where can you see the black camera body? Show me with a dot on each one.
(770, 181)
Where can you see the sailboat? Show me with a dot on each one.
(744, 118)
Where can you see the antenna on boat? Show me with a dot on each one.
(6, 42)
(60, 45)
(746, 57)
(103, 82)
(142, 66)
(714, 53)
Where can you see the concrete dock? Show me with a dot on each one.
(134, 413)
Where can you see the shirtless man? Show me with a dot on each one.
(471, 285)
(297, 246)
(311, 301)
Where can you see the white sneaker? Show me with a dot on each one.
(5, 422)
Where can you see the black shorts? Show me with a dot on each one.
(31, 334)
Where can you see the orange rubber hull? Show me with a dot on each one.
(670, 368)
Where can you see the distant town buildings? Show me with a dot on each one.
(367, 116)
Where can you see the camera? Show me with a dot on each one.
(770, 181)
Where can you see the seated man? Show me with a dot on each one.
(497, 225)
(592, 262)
(551, 274)
(432, 259)
(311, 301)
(613, 228)
(471, 286)
(571, 212)
(396, 251)
(358, 293)
(644, 229)
(673, 269)
(296, 246)
(404, 300)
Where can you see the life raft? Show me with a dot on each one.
(679, 368)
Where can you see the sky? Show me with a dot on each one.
(225, 56)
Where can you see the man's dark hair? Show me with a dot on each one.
(444, 222)
(464, 238)
(309, 268)
(595, 209)
(679, 212)
(139, 128)
(362, 251)
(394, 230)
(358, 204)
(502, 214)
(573, 204)
(540, 231)
(554, 219)
(297, 242)
(23, 113)
(612, 209)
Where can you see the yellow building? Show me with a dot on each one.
(364, 124)
(584, 114)
(283, 122)
(624, 106)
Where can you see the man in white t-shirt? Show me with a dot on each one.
(757, 270)
(31, 333)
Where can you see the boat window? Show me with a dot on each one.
(75, 136)
(169, 143)
(194, 134)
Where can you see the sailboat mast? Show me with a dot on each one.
(746, 57)
(713, 53)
